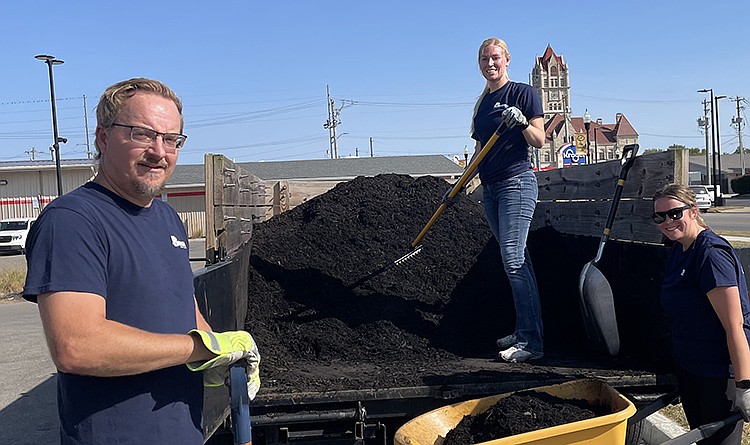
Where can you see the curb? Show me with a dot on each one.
(657, 429)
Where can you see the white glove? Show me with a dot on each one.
(742, 402)
(512, 117)
(220, 375)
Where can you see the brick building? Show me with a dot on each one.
(566, 136)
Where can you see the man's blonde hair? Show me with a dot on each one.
(114, 98)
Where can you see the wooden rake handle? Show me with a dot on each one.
(459, 184)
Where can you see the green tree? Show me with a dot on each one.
(691, 150)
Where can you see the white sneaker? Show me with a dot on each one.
(517, 354)
(506, 342)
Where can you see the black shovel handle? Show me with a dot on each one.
(703, 431)
(658, 403)
(628, 158)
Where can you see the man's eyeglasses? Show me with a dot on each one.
(142, 135)
(673, 214)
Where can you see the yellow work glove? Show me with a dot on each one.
(229, 348)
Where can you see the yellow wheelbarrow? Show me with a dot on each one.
(431, 428)
(610, 429)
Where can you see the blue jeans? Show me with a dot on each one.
(509, 207)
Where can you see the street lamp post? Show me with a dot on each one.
(587, 124)
(718, 148)
(714, 119)
(51, 60)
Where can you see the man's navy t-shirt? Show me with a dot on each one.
(698, 337)
(510, 154)
(91, 240)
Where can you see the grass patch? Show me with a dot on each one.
(12, 280)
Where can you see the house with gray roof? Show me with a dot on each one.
(335, 170)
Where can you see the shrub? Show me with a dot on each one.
(741, 184)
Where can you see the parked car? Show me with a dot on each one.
(703, 197)
(13, 233)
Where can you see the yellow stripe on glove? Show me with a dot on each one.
(229, 348)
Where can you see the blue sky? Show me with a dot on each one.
(253, 75)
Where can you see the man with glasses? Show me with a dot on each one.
(108, 265)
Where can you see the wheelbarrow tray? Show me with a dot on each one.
(431, 428)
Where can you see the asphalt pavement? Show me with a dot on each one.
(28, 409)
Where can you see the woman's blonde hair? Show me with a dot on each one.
(492, 41)
(682, 193)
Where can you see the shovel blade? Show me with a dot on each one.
(598, 309)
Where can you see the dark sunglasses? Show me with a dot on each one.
(673, 214)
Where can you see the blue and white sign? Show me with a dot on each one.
(570, 156)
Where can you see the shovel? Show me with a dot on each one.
(597, 303)
(457, 187)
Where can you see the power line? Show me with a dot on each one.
(38, 101)
(618, 99)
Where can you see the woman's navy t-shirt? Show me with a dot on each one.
(510, 154)
(698, 337)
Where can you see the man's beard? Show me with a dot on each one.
(148, 189)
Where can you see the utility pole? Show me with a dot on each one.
(331, 123)
(703, 123)
(32, 153)
(372, 154)
(738, 121)
(86, 127)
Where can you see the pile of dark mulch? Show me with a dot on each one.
(412, 324)
(521, 413)
(310, 324)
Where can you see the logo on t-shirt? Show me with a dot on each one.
(178, 243)
(499, 105)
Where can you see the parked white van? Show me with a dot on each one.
(13, 233)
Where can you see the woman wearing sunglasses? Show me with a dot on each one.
(705, 297)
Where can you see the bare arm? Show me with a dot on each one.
(201, 322)
(726, 303)
(82, 341)
(534, 133)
